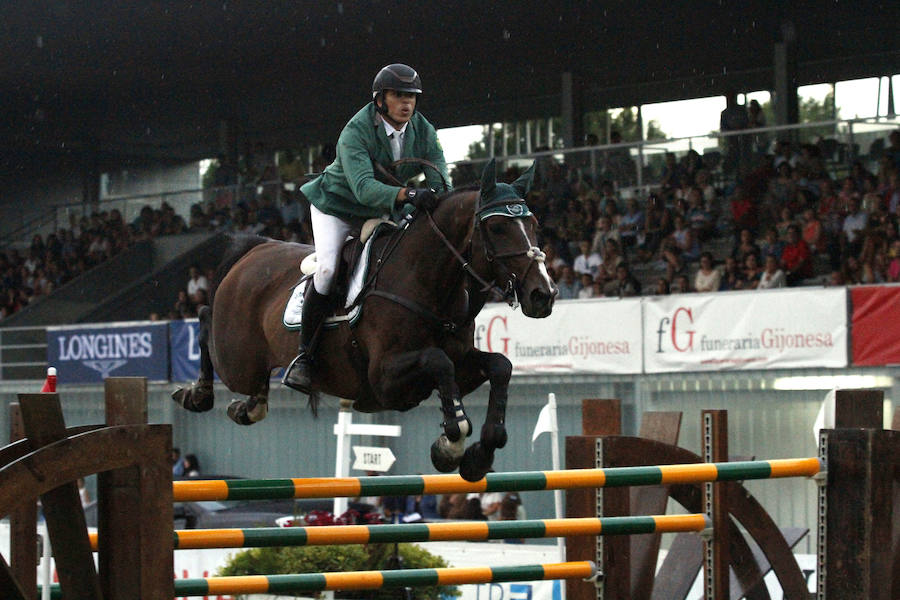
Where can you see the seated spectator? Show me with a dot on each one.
(587, 287)
(681, 285)
(607, 197)
(732, 276)
(662, 287)
(183, 307)
(568, 286)
(587, 262)
(851, 273)
(771, 277)
(697, 216)
(604, 232)
(752, 271)
(612, 256)
(772, 244)
(874, 269)
(657, 226)
(786, 221)
(191, 465)
(196, 282)
(854, 224)
(452, 506)
(631, 224)
(743, 211)
(893, 257)
(746, 244)
(796, 258)
(812, 231)
(625, 285)
(574, 225)
(892, 192)
(708, 277)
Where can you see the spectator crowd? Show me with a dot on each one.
(784, 218)
(772, 214)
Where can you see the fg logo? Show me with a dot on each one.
(678, 328)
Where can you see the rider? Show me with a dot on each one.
(347, 193)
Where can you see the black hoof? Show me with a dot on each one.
(196, 398)
(442, 461)
(476, 462)
(237, 412)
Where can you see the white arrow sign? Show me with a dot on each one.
(369, 458)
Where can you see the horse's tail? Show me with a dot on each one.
(239, 245)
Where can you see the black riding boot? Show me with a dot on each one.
(315, 308)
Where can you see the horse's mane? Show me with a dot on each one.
(464, 188)
(239, 244)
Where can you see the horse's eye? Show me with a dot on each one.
(496, 228)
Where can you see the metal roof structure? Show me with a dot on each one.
(143, 81)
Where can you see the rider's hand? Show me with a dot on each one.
(422, 198)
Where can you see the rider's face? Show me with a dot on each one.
(400, 107)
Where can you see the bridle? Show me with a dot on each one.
(510, 285)
(534, 254)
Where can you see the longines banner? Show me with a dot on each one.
(91, 353)
(778, 329)
(584, 336)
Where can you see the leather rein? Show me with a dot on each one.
(507, 293)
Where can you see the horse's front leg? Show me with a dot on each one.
(496, 368)
(413, 375)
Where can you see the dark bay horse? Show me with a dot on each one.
(416, 332)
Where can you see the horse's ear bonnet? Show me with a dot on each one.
(503, 199)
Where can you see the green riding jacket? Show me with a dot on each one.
(348, 187)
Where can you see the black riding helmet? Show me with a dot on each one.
(397, 77)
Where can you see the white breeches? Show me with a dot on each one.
(329, 234)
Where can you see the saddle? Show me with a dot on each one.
(356, 256)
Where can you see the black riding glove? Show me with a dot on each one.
(422, 198)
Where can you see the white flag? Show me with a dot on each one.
(544, 423)
(825, 418)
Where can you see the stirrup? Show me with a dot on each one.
(302, 386)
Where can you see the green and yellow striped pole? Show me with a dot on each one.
(399, 485)
(371, 580)
(191, 539)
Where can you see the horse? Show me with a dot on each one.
(416, 329)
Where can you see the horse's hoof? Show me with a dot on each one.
(476, 462)
(237, 412)
(198, 397)
(443, 460)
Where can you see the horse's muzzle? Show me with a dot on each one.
(540, 303)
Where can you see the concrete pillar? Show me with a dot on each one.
(787, 107)
(572, 110)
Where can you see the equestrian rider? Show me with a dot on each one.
(347, 193)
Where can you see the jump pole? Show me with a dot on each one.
(193, 539)
(523, 481)
(366, 580)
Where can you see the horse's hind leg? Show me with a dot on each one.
(479, 457)
(253, 409)
(199, 396)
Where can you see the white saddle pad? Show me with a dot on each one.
(293, 311)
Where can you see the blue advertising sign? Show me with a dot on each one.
(91, 353)
(185, 349)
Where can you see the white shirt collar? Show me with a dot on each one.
(389, 129)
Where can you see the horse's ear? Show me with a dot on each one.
(523, 183)
(489, 178)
